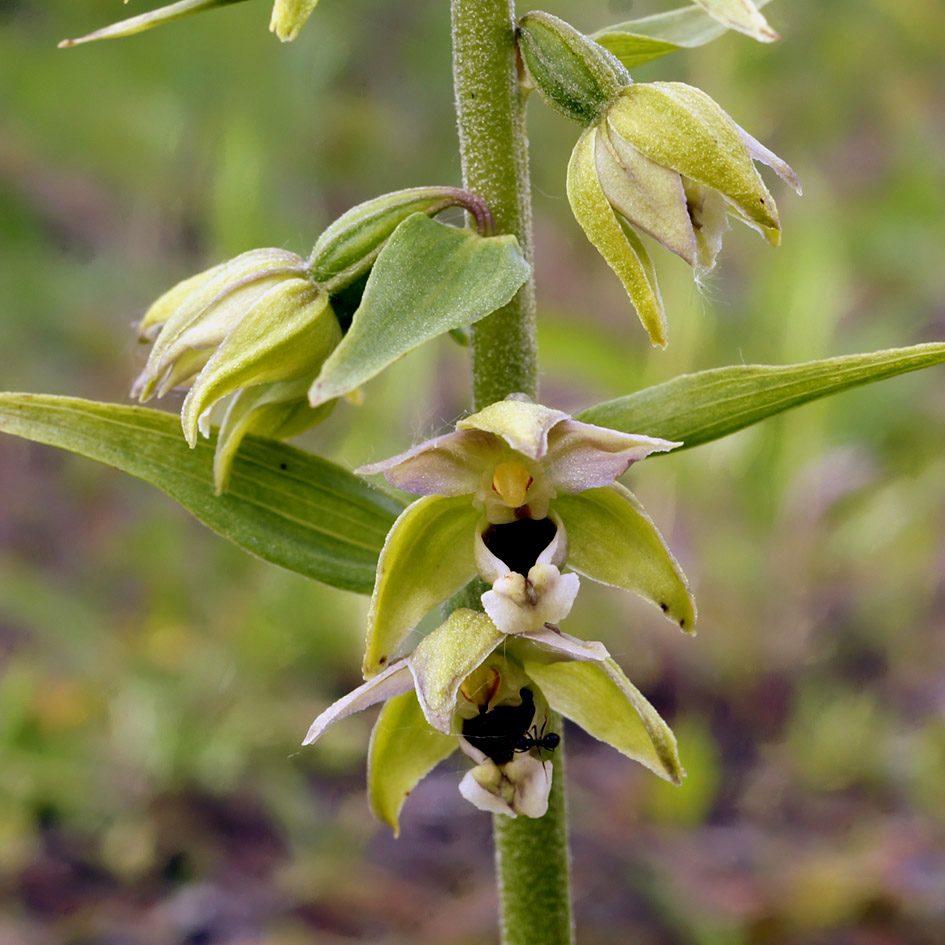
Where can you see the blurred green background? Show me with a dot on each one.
(155, 682)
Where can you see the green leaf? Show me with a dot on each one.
(404, 749)
(638, 41)
(600, 698)
(285, 506)
(699, 408)
(428, 279)
(144, 21)
(612, 540)
(428, 556)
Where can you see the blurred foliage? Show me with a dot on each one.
(156, 682)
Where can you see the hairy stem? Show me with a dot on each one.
(532, 860)
(490, 109)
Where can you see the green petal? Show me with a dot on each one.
(444, 658)
(621, 248)
(428, 556)
(683, 128)
(404, 749)
(137, 24)
(613, 541)
(600, 698)
(428, 279)
(285, 506)
(699, 408)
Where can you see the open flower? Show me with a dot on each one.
(517, 491)
(661, 158)
(468, 686)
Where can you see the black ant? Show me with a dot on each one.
(501, 732)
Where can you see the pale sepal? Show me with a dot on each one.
(613, 541)
(402, 752)
(741, 15)
(600, 698)
(427, 557)
(394, 681)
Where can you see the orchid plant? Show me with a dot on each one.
(518, 502)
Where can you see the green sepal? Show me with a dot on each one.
(572, 73)
(403, 750)
(347, 249)
(681, 127)
(427, 557)
(285, 506)
(428, 279)
(144, 21)
(621, 247)
(285, 336)
(635, 42)
(444, 658)
(600, 698)
(699, 408)
(278, 411)
(612, 540)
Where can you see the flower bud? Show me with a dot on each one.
(346, 250)
(573, 74)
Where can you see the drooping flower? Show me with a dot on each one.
(514, 493)
(467, 685)
(660, 158)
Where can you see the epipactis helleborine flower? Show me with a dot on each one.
(517, 491)
(660, 158)
(468, 685)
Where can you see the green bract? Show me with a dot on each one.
(445, 691)
(515, 493)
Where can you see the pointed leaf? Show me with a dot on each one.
(404, 749)
(284, 506)
(698, 408)
(613, 541)
(741, 15)
(600, 698)
(144, 21)
(638, 41)
(428, 279)
(428, 556)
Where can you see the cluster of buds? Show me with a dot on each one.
(516, 493)
(257, 330)
(660, 158)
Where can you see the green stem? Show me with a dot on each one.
(532, 861)
(533, 868)
(490, 110)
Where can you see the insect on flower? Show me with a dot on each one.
(501, 732)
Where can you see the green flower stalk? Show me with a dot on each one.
(468, 686)
(660, 158)
(514, 494)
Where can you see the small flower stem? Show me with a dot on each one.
(490, 110)
(532, 860)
